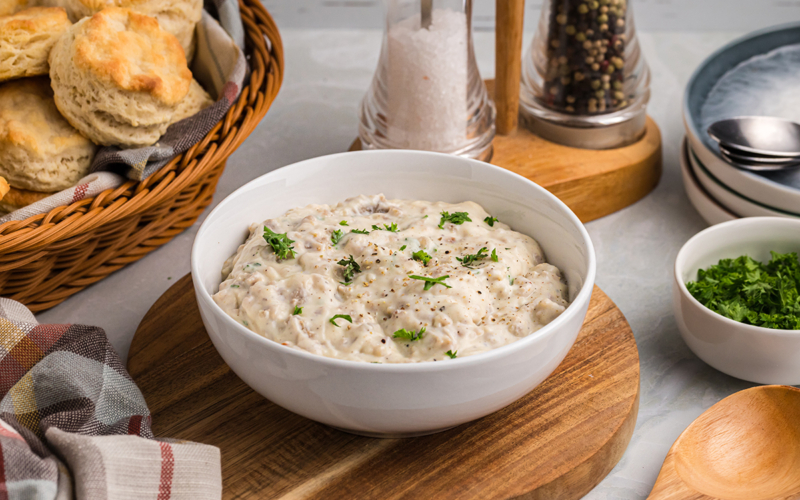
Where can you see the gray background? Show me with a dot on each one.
(331, 50)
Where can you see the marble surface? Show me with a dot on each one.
(327, 73)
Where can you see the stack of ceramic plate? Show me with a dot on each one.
(741, 79)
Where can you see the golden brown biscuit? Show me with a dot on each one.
(195, 101)
(18, 198)
(26, 39)
(178, 17)
(4, 187)
(39, 150)
(119, 78)
(10, 6)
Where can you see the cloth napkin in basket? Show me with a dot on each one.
(73, 424)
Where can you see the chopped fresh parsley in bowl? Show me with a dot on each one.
(752, 292)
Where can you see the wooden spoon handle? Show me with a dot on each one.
(508, 62)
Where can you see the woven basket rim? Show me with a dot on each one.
(264, 51)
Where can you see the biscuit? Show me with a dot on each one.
(18, 198)
(4, 187)
(39, 150)
(119, 78)
(26, 39)
(10, 6)
(195, 101)
(178, 17)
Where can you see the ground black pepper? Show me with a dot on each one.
(586, 56)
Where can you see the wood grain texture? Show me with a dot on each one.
(746, 447)
(510, 16)
(593, 183)
(558, 441)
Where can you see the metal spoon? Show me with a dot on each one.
(755, 166)
(754, 158)
(762, 135)
(426, 12)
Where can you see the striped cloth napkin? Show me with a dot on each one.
(220, 67)
(73, 424)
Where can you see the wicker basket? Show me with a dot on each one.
(48, 257)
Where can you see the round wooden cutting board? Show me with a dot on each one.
(558, 441)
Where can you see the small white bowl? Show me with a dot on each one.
(762, 355)
(394, 399)
(709, 209)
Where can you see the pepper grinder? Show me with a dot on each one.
(585, 83)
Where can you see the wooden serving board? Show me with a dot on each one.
(558, 441)
(593, 183)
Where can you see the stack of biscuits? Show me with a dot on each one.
(118, 77)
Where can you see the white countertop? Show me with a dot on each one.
(327, 73)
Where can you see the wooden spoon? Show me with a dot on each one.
(746, 447)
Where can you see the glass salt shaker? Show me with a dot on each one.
(585, 82)
(427, 92)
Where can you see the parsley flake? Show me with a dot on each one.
(386, 227)
(402, 248)
(297, 310)
(457, 218)
(409, 335)
(280, 243)
(453, 354)
(490, 220)
(359, 231)
(470, 260)
(351, 267)
(343, 223)
(421, 256)
(429, 282)
(494, 255)
(748, 291)
(345, 317)
(336, 236)
(234, 286)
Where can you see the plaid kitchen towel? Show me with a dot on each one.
(73, 424)
(220, 67)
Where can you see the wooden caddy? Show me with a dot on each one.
(593, 183)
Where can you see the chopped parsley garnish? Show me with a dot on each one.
(402, 248)
(471, 259)
(421, 256)
(494, 255)
(345, 317)
(297, 310)
(429, 282)
(234, 286)
(751, 292)
(280, 243)
(409, 335)
(386, 227)
(453, 354)
(457, 218)
(351, 267)
(510, 280)
(343, 223)
(359, 231)
(336, 236)
(490, 220)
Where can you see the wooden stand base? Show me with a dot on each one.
(593, 183)
(558, 441)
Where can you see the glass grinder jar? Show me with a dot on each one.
(584, 81)
(427, 92)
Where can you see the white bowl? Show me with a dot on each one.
(748, 352)
(709, 209)
(739, 203)
(394, 399)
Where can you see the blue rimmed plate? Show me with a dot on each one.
(779, 190)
